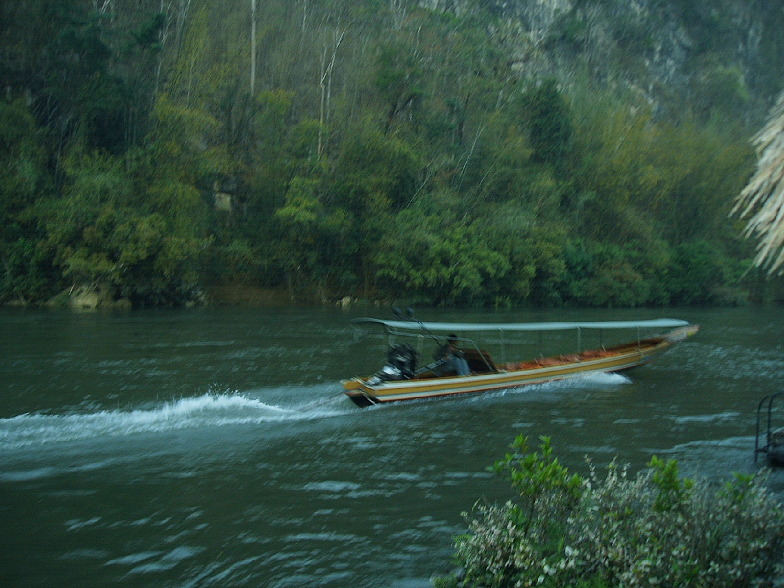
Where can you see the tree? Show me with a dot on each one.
(763, 196)
(79, 222)
(445, 263)
(23, 179)
(398, 80)
(549, 124)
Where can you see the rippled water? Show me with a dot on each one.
(214, 448)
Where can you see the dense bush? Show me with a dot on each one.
(652, 529)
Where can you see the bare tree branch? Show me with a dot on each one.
(325, 84)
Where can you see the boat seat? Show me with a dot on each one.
(479, 361)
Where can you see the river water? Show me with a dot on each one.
(213, 447)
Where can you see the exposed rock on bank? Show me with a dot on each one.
(87, 298)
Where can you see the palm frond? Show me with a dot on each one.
(763, 196)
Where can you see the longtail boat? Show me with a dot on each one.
(402, 378)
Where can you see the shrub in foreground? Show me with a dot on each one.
(655, 528)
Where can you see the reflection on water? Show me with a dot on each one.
(214, 447)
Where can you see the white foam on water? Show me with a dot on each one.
(597, 379)
(727, 416)
(332, 486)
(165, 562)
(586, 381)
(579, 382)
(207, 410)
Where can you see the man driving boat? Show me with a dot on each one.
(453, 357)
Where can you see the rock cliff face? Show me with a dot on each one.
(714, 57)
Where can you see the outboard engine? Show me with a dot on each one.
(403, 357)
(401, 365)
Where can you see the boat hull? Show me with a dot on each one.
(615, 359)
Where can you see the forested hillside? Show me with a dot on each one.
(482, 153)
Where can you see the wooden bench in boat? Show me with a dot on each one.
(479, 361)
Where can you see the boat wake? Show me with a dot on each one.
(208, 410)
(213, 409)
(579, 382)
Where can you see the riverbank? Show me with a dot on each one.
(242, 295)
(219, 294)
(246, 296)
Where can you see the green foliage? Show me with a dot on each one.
(537, 477)
(182, 143)
(570, 28)
(24, 178)
(446, 264)
(377, 171)
(311, 235)
(302, 209)
(22, 161)
(537, 268)
(398, 80)
(26, 271)
(609, 275)
(655, 528)
(100, 234)
(380, 152)
(547, 118)
(238, 258)
(723, 91)
(672, 490)
(699, 274)
(81, 80)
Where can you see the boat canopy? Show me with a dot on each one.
(414, 325)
